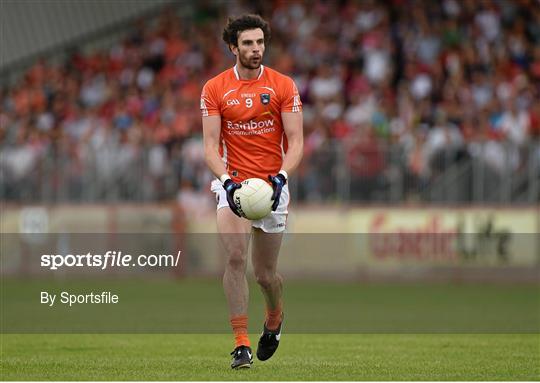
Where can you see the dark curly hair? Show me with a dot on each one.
(243, 23)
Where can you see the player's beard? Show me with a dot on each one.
(248, 63)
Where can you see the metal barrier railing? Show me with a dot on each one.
(333, 172)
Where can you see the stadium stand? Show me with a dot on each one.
(403, 101)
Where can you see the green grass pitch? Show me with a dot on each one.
(300, 357)
(333, 331)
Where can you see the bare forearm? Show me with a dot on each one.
(293, 157)
(211, 136)
(214, 162)
(292, 124)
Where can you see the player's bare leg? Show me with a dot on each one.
(264, 256)
(234, 236)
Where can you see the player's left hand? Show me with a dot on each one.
(278, 181)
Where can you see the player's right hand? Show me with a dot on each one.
(230, 187)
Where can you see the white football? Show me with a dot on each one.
(254, 198)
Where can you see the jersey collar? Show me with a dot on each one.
(238, 76)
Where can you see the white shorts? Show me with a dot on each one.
(275, 222)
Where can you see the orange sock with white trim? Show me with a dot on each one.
(274, 317)
(239, 325)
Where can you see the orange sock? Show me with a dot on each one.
(273, 317)
(239, 325)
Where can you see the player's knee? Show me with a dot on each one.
(234, 250)
(236, 260)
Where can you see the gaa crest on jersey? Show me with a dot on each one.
(265, 98)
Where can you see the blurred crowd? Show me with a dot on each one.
(392, 90)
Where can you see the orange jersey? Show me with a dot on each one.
(252, 139)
